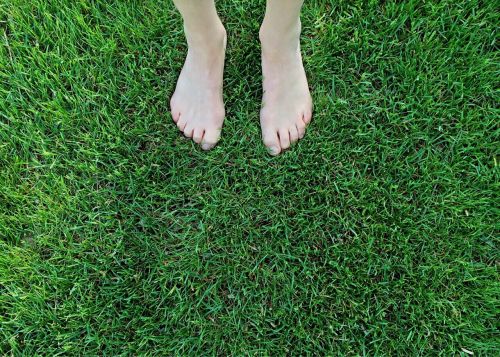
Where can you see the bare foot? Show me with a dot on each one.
(197, 106)
(287, 103)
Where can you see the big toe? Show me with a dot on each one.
(210, 139)
(271, 140)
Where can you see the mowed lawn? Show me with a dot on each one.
(376, 235)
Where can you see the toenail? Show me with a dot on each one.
(207, 146)
(273, 150)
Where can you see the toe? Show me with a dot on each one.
(181, 123)
(210, 139)
(175, 116)
(284, 138)
(271, 140)
(301, 128)
(174, 110)
(307, 116)
(198, 135)
(188, 131)
(207, 146)
(294, 134)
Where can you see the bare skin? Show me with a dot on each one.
(287, 103)
(197, 106)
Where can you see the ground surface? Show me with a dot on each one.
(375, 235)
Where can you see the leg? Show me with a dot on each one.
(197, 106)
(287, 102)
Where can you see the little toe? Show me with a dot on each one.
(284, 138)
(271, 140)
(307, 116)
(173, 108)
(175, 116)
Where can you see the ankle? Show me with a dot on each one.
(214, 38)
(280, 41)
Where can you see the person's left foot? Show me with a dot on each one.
(287, 103)
(197, 106)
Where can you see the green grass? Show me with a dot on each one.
(375, 235)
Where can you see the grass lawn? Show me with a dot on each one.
(375, 235)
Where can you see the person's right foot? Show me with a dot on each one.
(287, 103)
(197, 106)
